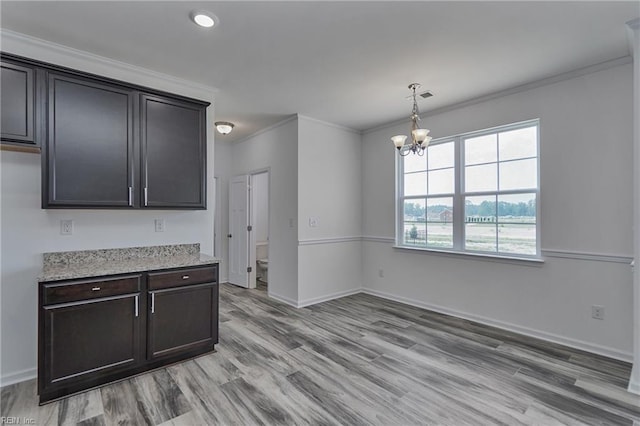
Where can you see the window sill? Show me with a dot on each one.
(514, 260)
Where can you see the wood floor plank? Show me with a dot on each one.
(158, 396)
(120, 405)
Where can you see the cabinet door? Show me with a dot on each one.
(87, 340)
(17, 103)
(89, 151)
(174, 154)
(182, 319)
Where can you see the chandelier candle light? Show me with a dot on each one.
(419, 137)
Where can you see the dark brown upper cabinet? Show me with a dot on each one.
(90, 146)
(173, 141)
(106, 144)
(18, 88)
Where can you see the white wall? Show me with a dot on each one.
(28, 231)
(586, 209)
(276, 149)
(329, 193)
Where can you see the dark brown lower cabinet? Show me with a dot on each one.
(95, 331)
(182, 319)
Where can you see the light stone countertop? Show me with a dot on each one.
(96, 263)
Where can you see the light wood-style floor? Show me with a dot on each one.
(356, 360)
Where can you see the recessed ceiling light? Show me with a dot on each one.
(204, 18)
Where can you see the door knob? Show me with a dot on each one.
(229, 235)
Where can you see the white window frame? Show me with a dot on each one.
(459, 196)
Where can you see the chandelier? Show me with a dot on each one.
(419, 137)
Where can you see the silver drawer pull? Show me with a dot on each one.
(185, 277)
(95, 289)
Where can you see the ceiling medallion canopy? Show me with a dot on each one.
(419, 137)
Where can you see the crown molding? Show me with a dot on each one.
(513, 90)
(266, 129)
(58, 54)
(326, 123)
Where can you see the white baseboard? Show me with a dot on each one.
(542, 335)
(634, 382)
(283, 299)
(19, 376)
(325, 298)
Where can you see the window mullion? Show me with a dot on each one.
(458, 197)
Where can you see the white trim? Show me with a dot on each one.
(266, 129)
(525, 261)
(634, 386)
(376, 239)
(320, 299)
(513, 90)
(285, 300)
(550, 337)
(596, 257)
(312, 242)
(18, 43)
(554, 253)
(18, 376)
(326, 123)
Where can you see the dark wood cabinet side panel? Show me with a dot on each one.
(90, 143)
(17, 103)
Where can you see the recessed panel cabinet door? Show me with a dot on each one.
(89, 154)
(182, 319)
(90, 338)
(17, 103)
(174, 155)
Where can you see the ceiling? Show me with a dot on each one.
(348, 62)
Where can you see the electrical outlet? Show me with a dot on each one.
(381, 273)
(597, 312)
(66, 227)
(159, 225)
(313, 222)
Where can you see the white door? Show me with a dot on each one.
(239, 230)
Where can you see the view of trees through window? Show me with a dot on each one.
(497, 196)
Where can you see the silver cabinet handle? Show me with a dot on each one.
(146, 196)
(185, 277)
(153, 303)
(95, 289)
(136, 302)
(131, 196)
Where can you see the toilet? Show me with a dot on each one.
(262, 261)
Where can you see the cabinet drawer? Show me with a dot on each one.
(188, 276)
(90, 289)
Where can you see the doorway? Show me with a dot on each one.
(249, 230)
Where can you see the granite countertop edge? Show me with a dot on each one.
(93, 269)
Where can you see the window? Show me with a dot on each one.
(475, 193)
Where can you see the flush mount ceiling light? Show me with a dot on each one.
(419, 137)
(204, 18)
(224, 127)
